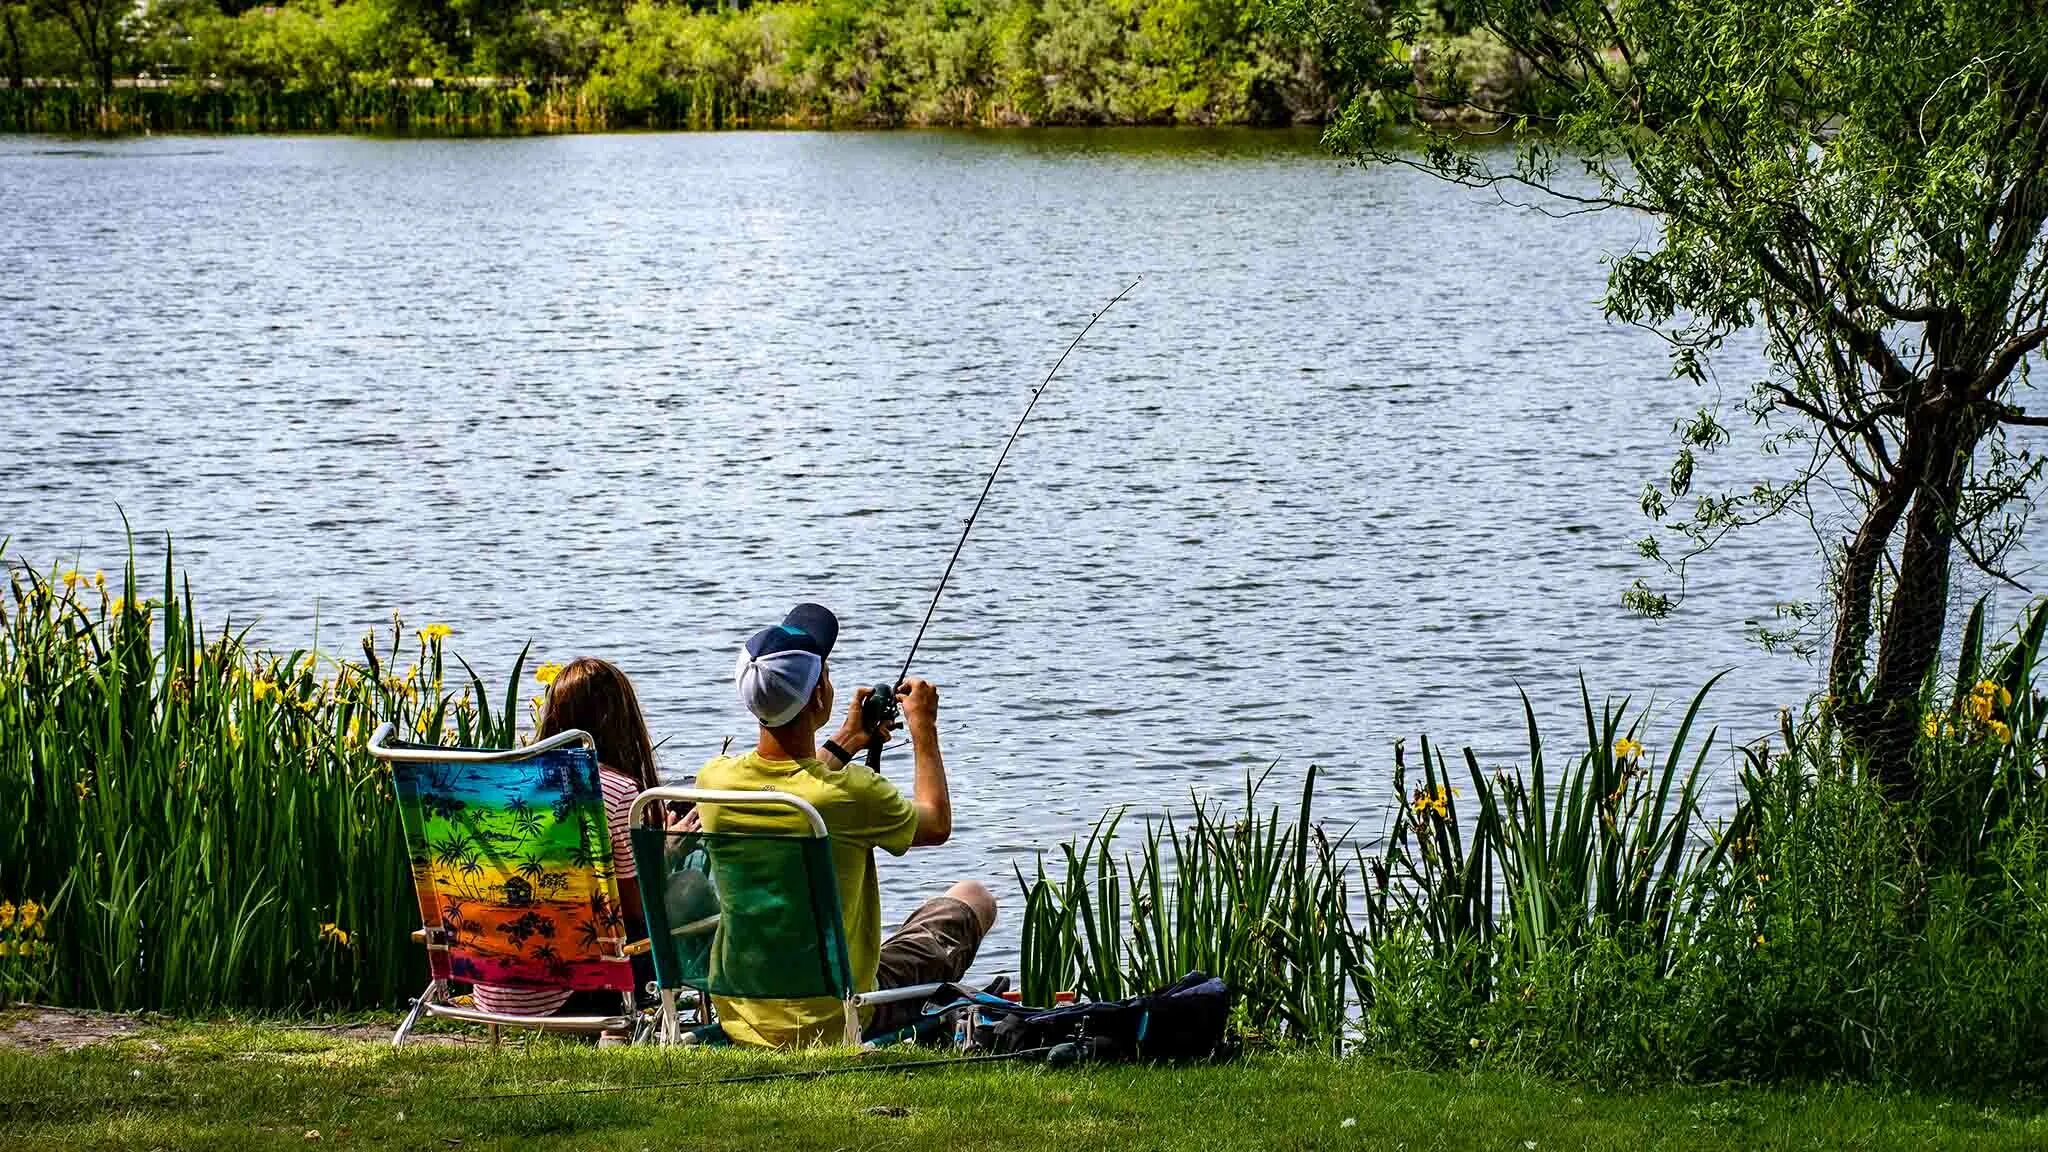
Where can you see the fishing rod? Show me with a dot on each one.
(879, 712)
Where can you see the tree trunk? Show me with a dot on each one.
(1910, 642)
(103, 73)
(1856, 595)
(17, 68)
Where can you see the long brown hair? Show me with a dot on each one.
(593, 695)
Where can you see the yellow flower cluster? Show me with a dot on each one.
(26, 918)
(1978, 717)
(435, 632)
(1437, 801)
(547, 673)
(1627, 750)
(73, 578)
(334, 934)
(21, 929)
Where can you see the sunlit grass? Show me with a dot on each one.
(242, 1086)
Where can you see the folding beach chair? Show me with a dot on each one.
(753, 916)
(512, 863)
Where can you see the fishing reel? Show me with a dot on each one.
(878, 714)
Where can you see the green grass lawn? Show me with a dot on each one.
(276, 1086)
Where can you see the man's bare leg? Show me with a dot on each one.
(976, 895)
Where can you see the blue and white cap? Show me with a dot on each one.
(780, 667)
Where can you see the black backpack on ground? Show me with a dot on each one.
(1185, 1021)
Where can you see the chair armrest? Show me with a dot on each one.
(419, 935)
(639, 947)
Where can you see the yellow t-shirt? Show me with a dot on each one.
(862, 812)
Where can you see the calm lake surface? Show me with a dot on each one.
(1359, 457)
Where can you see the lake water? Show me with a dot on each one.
(1358, 457)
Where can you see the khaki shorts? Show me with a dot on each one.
(936, 945)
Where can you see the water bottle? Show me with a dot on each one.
(963, 1029)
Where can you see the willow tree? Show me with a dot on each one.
(1863, 182)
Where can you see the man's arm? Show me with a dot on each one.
(930, 796)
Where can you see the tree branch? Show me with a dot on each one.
(2008, 358)
(1988, 566)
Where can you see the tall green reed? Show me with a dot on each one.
(1314, 929)
(1261, 903)
(1609, 849)
(198, 818)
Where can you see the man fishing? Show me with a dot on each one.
(784, 679)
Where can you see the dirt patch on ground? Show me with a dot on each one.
(63, 1028)
(68, 1030)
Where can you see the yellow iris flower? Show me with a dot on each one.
(1627, 749)
(1437, 801)
(546, 673)
(434, 632)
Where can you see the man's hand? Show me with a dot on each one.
(919, 702)
(852, 736)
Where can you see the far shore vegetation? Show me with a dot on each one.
(579, 65)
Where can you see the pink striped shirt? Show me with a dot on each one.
(619, 792)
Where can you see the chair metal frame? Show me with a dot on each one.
(436, 999)
(669, 1027)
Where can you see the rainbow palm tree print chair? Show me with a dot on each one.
(512, 864)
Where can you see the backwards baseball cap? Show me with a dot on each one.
(781, 666)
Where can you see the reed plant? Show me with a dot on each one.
(1263, 903)
(196, 820)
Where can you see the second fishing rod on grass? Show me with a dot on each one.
(880, 711)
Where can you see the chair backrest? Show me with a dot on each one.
(753, 916)
(512, 862)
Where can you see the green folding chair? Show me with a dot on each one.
(747, 916)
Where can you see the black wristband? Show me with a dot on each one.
(832, 747)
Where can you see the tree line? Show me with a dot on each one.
(602, 62)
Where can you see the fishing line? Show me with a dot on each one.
(880, 711)
(1007, 445)
(762, 1077)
